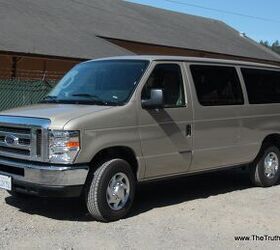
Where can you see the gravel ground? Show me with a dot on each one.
(199, 212)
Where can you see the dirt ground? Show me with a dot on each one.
(199, 212)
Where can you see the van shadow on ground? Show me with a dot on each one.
(149, 196)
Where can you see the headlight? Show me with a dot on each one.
(63, 146)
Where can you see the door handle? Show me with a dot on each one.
(188, 130)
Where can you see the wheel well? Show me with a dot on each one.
(121, 152)
(272, 139)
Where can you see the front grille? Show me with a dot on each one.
(15, 140)
(15, 150)
(21, 142)
(24, 138)
(39, 142)
(15, 130)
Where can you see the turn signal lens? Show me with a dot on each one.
(73, 144)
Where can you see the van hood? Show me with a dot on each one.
(59, 114)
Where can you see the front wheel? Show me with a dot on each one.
(110, 190)
(265, 170)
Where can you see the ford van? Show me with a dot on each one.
(112, 123)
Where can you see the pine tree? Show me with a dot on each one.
(275, 46)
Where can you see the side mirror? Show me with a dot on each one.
(155, 101)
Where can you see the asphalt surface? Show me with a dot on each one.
(199, 212)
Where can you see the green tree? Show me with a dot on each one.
(275, 46)
(265, 43)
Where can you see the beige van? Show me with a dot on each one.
(112, 123)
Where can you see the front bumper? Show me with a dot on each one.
(44, 179)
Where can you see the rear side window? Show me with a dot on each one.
(263, 86)
(217, 85)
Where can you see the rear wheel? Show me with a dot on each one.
(265, 170)
(110, 190)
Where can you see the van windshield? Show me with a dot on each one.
(108, 82)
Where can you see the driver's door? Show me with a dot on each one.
(166, 133)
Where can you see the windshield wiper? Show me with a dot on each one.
(96, 99)
(49, 98)
(52, 97)
(87, 95)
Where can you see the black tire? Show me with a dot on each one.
(96, 190)
(258, 171)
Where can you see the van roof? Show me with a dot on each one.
(187, 59)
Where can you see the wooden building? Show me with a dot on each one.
(44, 39)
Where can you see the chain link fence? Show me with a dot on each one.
(25, 89)
(15, 93)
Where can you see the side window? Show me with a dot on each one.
(217, 85)
(263, 86)
(167, 77)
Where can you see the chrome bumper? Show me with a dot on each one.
(44, 174)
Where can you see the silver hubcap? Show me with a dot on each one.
(118, 191)
(271, 165)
